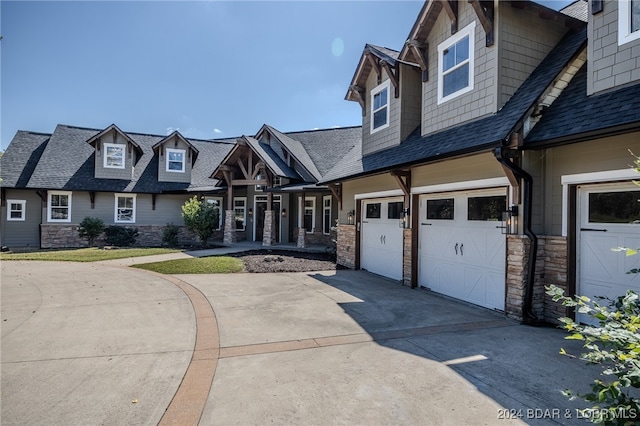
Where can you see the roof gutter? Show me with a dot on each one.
(528, 316)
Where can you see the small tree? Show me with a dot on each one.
(91, 228)
(200, 217)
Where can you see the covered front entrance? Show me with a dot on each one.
(381, 249)
(260, 207)
(462, 250)
(609, 217)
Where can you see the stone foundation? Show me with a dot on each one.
(315, 237)
(66, 236)
(346, 246)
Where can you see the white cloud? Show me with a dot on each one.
(170, 130)
(217, 131)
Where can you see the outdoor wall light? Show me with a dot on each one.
(250, 212)
(284, 212)
(404, 219)
(510, 221)
(350, 217)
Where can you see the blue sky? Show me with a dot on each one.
(209, 69)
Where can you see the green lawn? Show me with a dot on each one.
(196, 265)
(85, 254)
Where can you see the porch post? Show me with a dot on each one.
(269, 231)
(229, 219)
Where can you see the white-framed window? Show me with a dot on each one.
(326, 214)
(455, 64)
(59, 206)
(113, 156)
(240, 212)
(125, 208)
(216, 202)
(277, 181)
(628, 21)
(175, 160)
(16, 210)
(380, 107)
(260, 176)
(309, 214)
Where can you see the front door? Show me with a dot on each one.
(260, 206)
(609, 218)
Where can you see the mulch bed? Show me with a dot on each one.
(261, 261)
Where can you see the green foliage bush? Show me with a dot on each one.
(613, 344)
(200, 217)
(120, 236)
(91, 228)
(170, 235)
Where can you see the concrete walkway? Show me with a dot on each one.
(105, 344)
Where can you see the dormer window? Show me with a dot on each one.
(628, 21)
(455, 64)
(113, 156)
(380, 107)
(175, 160)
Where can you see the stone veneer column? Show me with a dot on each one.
(518, 247)
(555, 272)
(229, 227)
(406, 257)
(269, 231)
(346, 246)
(302, 234)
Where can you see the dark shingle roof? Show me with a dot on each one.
(298, 151)
(574, 114)
(471, 137)
(328, 146)
(273, 161)
(20, 158)
(68, 162)
(579, 9)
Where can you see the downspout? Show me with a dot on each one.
(528, 316)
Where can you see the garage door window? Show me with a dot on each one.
(394, 210)
(614, 207)
(486, 208)
(373, 211)
(440, 209)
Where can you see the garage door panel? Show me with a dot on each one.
(607, 218)
(463, 258)
(381, 240)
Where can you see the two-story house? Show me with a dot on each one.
(264, 187)
(477, 137)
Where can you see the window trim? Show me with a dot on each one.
(468, 31)
(324, 213)
(115, 213)
(167, 161)
(220, 210)
(23, 210)
(105, 148)
(303, 208)
(50, 195)
(244, 209)
(385, 85)
(624, 23)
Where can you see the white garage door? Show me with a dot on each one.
(609, 217)
(381, 248)
(462, 248)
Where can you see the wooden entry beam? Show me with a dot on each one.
(336, 190)
(405, 184)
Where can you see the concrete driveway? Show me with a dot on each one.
(103, 344)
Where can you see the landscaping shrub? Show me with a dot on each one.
(200, 217)
(170, 235)
(120, 236)
(91, 228)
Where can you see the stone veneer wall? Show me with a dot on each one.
(316, 237)
(66, 236)
(346, 246)
(555, 272)
(551, 268)
(406, 257)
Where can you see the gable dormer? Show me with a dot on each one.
(475, 54)
(116, 154)
(388, 91)
(176, 156)
(291, 152)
